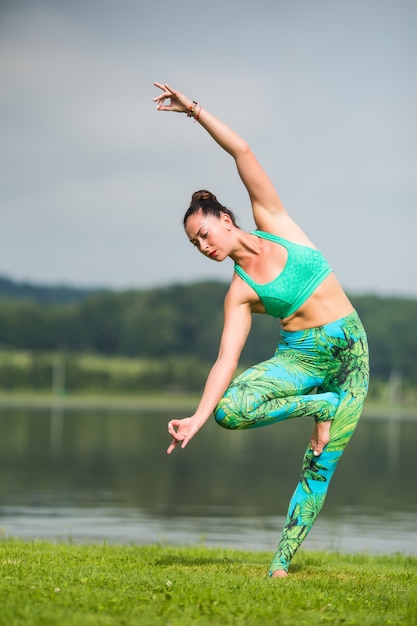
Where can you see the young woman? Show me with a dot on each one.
(320, 368)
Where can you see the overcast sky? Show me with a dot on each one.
(94, 180)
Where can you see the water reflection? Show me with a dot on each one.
(97, 475)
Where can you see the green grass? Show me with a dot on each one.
(46, 584)
(23, 358)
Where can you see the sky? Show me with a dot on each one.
(94, 181)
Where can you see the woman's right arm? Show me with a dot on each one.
(237, 323)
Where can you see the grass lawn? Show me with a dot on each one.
(45, 584)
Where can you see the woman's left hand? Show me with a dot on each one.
(177, 101)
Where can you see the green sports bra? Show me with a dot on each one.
(303, 272)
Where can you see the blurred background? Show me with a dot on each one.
(94, 181)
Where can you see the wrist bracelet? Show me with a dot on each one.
(197, 115)
(191, 109)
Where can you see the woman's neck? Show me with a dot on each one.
(248, 246)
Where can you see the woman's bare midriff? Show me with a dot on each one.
(327, 304)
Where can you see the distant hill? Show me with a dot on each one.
(183, 319)
(44, 294)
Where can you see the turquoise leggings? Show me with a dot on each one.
(322, 373)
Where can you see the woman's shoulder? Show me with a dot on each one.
(283, 227)
(241, 294)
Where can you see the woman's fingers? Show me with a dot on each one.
(175, 442)
(174, 98)
(168, 92)
(183, 437)
(172, 446)
(174, 430)
(172, 425)
(175, 438)
(166, 95)
(164, 87)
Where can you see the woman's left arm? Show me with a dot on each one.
(267, 207)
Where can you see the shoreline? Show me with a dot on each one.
(154, 402)
(77, 402)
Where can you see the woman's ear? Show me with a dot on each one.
(227, 221)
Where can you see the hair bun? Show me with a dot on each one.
(203, 194)
(206, 203)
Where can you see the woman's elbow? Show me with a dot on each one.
(244, 150)
(227, 364)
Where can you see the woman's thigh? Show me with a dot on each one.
(274, 390)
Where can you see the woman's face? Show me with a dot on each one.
(210, 234)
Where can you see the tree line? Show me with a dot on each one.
(182, 320)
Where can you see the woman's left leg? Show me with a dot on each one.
(333, 358)
(349, 373)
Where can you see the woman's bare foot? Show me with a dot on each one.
(320, 436)
(279, 573)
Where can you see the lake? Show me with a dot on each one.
(101, 475)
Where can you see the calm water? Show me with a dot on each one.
(105, 476)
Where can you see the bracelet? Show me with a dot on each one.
(191, 109)
(196, 116)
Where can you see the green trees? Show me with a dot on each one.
(178, 322)
(390, 325)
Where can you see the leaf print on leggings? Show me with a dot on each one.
(317, 374)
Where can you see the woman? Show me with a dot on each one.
(322, 347)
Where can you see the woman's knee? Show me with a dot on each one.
(226, 416)
(225, 421)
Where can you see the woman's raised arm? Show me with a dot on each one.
(266, 204)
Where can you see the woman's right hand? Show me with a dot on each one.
(181, 431)
(177, 101)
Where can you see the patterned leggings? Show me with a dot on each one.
(332, 362)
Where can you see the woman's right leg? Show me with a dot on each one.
(275, 390)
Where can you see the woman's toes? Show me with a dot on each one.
(321, 437)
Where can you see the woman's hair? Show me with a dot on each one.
(207, 203)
